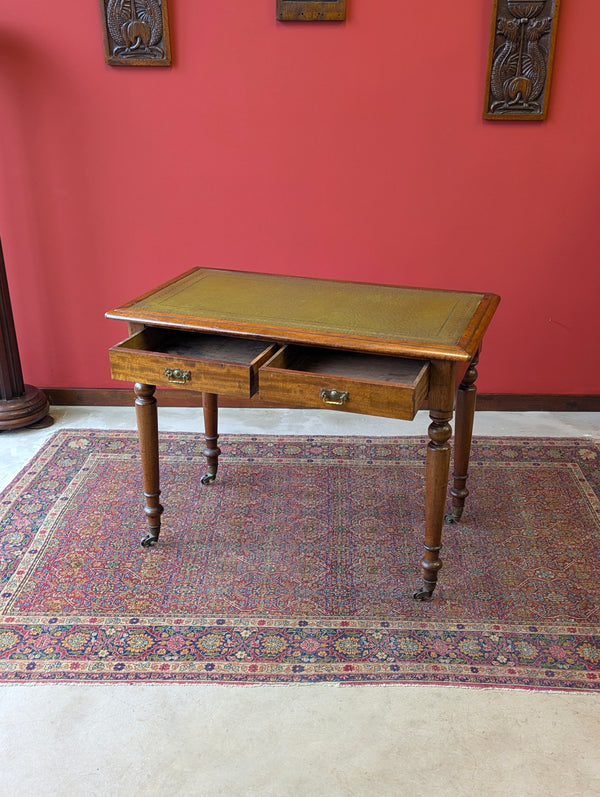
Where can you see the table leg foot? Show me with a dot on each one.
(455, 515)
(210, 475)
(425, 593)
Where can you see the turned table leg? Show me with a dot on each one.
(147, 423)
(465, 412)
(210, 409)
(436, 485)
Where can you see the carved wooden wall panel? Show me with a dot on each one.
(522, 42)
(306, 11)
(136, 32)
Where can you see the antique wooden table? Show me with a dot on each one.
(352, 347)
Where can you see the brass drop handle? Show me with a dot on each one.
(178, 377)
(334, 396)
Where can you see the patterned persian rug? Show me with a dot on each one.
(298, 564)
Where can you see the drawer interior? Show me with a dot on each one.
(349, 364)
(197, 346)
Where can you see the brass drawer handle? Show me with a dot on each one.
(334, 396)
(177, 376)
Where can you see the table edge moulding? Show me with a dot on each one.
(354, 347)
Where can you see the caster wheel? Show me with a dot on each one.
(423, 594)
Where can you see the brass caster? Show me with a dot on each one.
(425, 593)
(209, 476)
(149, 541)
(454, 516)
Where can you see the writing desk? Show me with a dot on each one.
(353, 347)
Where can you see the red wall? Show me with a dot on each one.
(352, 150)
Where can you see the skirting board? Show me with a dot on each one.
(502, 402)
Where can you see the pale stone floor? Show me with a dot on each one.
(299, 740)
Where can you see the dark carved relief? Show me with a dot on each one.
(520, 60)
(136, 32)
(309, 11)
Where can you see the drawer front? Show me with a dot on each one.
(209, 363)
(347, 381)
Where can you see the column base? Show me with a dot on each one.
(27, 410)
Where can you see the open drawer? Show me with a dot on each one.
(178, 358)
(371, 384)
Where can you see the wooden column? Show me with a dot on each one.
(20, 404)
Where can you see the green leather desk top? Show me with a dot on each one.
(378, 318)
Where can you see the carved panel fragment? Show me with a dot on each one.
(136, 32)
(307, 11)
(521, 54)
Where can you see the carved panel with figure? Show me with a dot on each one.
(136, 32)
(523, 38)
